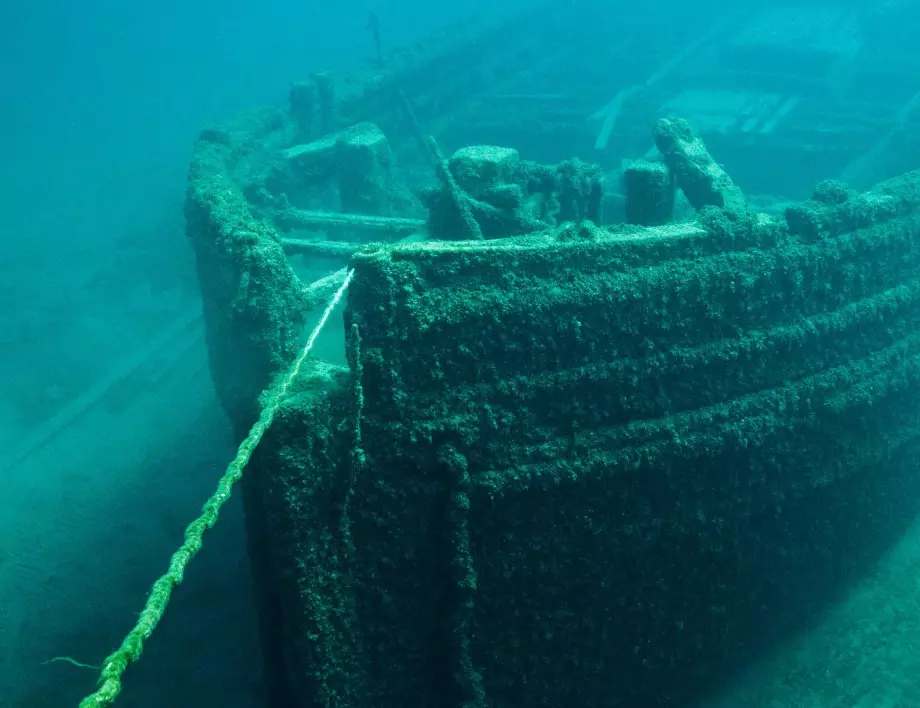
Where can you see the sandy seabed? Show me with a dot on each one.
(87, 523)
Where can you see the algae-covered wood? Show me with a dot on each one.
(571, 466)
(569, 462)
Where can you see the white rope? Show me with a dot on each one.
(132, 647)
(295, 370)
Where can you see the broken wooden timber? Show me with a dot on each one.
(338, 222)
(322, 249)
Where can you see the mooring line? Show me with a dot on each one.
(110, 679)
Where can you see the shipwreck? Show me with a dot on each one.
(603, 412)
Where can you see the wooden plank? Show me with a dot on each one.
(328, 249)
(336, 221)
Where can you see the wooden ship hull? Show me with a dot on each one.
(562, 460)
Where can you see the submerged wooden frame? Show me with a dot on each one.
(562, 459)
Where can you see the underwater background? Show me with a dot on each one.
(110, 433)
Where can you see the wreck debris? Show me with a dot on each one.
(481, 168)
(456, 220)
(302, 166)
(702, 180)
(303, 105)
(353, 166)
(383, 228)
(313, 106)
(650, 192)
(507, 196)
(364, 170)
